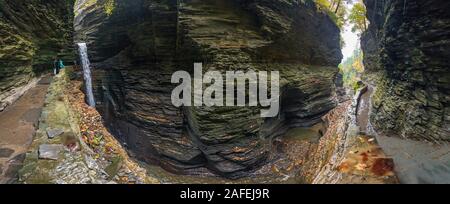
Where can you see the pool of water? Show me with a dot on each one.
(312, 134)
(280, 168)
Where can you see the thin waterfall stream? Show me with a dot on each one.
(82, 48)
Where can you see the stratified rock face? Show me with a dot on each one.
(32, 34)
(137, 47)
(408, 44)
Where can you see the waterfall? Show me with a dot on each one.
(82, 48)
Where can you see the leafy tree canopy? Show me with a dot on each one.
(358, 18)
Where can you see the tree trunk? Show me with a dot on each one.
(337, 7)
(365, 24)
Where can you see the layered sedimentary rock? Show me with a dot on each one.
(407, 45)
(136, 47)
(32, 34)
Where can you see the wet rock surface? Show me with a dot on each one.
(414, 162)
(17, 127)
(418, 162)
(407, 46)
(155, 39)
(356, 155)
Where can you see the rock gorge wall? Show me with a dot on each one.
(407, 45)
(32, 34)
(136, 46)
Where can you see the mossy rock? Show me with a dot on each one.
(113, 168)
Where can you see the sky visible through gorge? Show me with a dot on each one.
(351, 39)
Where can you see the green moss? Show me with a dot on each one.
(109, 7)
(357, 85)
(37, 171)
(41, 174)
(113, 168)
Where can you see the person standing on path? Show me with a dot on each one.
(59, 65)
(55, 67)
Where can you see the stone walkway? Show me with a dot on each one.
(363, 110)
(416, 162)
(17, 127)
(58, 153)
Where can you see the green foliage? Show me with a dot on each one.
(335, 9)
(358, 19)
(109, 7)
(352, 68)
